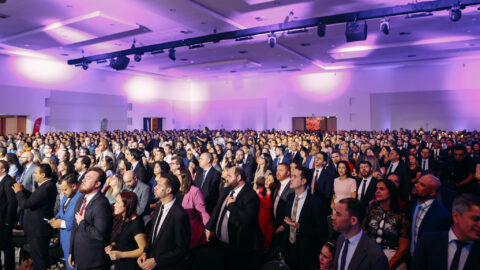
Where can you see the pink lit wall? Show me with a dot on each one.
(360, 99)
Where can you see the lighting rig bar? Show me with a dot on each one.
(426, 6)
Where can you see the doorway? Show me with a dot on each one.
(11, 124)
(152, 124)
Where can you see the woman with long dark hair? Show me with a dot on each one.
(344, 186)
(15, 170)
(128, 236)
(387, 225)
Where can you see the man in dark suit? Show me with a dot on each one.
(8, 213)
(321, 184)
(169, 240)
(279, 200)
(305, 222)
(81, 166)
(355, 156)
(37, 206)
(397, 166)
(27, 179)
(458, 248)
(427, 163)
(208, 180)
(117, 151)
(280, 157)
(134, 156)
(234, 223)
(355, 250)
(245, 163)
(93, 222)
(366, 183)
(332, 166)
(427, 215)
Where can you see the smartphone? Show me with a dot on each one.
(46, 219)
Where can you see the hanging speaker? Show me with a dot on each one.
(356, 31)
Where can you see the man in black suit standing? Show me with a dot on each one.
(208, 180)
(81, 166)
(8, 213)
(279, 200)
(461, 244)
(305, 222)
(427, 163)
(397, 166)
(322, 180)
(93, 222)
(234, 223)
(427, 215)
(366, 183)
(134, 156)
(246, 163)
(37, 206)
(355, 250)
(169, 240)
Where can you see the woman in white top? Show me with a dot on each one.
(344, 186)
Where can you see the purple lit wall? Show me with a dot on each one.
(356, 97)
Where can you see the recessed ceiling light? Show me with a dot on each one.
(411, 55)
(404, 33)
(259, 19)
(26, 45)
(203, 23)
(131, 66)
(69, 6)
(304, 44)
(112, 24)
(284, 66)
(183, 59)
(242, 52)
(4, 16)
(233, 71)
(64, 54)
(186, 32)
(172, 10)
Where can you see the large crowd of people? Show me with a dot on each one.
(245, 199)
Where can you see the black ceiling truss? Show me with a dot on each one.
(245, 34)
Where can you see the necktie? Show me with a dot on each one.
(315, 181)
(157, 222)
(23, 174)
(203, 178)
(417, 223)
(364, 187)
(343, 260)
(276, 195)
(83, 205)
(222, 216)
(292, 237)
(458, 252)
(390, 168)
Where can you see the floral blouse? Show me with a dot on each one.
(386, 227)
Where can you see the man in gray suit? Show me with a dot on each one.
(143, 193)
(27, 179)
(355, 250)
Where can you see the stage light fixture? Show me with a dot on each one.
(385, 26)
(195, 46)
(137, 57)
(321, 29)
(455, 13)
(84, 65)
(297, 31)
(272, 40)
(120, 62)
(157, 52)
(171, 54)
(356, 31)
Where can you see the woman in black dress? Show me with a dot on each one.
(128, 235)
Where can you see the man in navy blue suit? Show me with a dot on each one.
(64, 218)
(461, 244)
(427, 215)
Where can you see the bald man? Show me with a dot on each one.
(143, 193)
(26, 179)
(427, 215)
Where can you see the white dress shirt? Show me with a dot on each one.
(363, 183)
(417, 221)
(166, 209)
(352, 246)
(301, 202)
(452, 248)
(224, 229)
(283, 185)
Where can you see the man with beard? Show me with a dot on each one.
(37, 206)
(245, 163)
(462, 172)
(26, 179)
(366, 183)
(234, 223)
(92, 224)
(427, 215)
(169, 241)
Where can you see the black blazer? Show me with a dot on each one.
(8, 202)
(313, 225)
(324, 185)
(210, 188)
(432, 253)
(89, 238)
(282, 204)
(37, 206)
(141, 172)
(436, 219)
(369, 192)
(367, 256)
(243, 229)
(171, 246)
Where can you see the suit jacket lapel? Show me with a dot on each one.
(472, 259)
(165, 223)
(341, 239)
(359, 254)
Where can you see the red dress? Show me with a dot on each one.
(265, 219)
